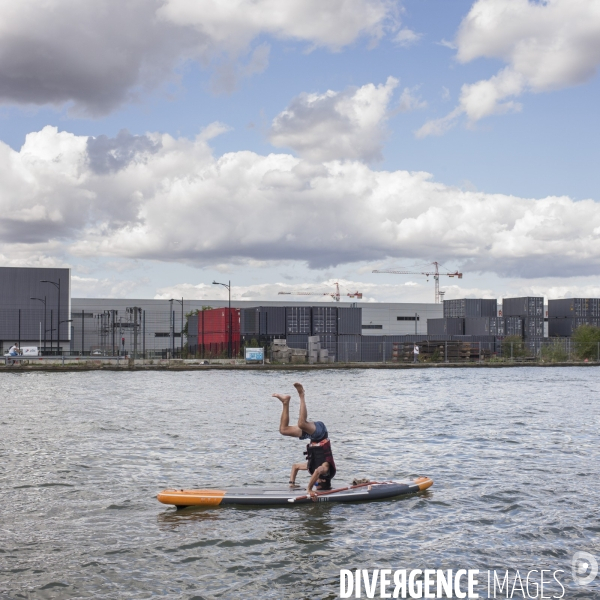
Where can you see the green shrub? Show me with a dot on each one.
(554, 351)
(585, 341)
(519, 349)
(437, 355)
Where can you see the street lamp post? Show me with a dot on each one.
(58, 327)
(51, 331)
(57, 286)
(228, 286)
(44, 301)
(171, 329)
(181, 334)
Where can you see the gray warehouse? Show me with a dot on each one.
(30, 311)
(109, 325)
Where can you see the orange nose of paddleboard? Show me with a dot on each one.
(191, 497)
(424, 483)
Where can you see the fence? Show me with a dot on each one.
(366, 350)
(126, 332)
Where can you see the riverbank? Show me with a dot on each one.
(77, 364)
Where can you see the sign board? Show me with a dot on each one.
(255, 354)
(29, 350)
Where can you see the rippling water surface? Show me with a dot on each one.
(514, 454)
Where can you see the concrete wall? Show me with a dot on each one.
(386, 315)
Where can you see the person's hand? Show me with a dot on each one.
(313, 495)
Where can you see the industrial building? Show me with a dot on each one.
(154, 327)
(36, 309)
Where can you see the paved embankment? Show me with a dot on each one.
(77, 364)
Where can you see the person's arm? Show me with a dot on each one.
(322, 470)
(295, 468)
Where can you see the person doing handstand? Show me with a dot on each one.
(319, 459)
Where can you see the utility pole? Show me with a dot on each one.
(134, 313)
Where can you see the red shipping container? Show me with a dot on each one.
(213, 326)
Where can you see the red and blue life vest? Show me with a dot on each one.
(316, 454)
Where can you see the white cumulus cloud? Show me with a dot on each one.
(409, 100)
(407, 37)
(172, 200)
(336, 125)
(545, 46)
(98, 54)
(93, 287)
(235, 23)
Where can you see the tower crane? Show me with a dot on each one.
(335, 295)
(435, 272)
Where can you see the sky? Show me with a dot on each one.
(155, 146)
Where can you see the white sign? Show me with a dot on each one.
(30, 351)
(255, 354)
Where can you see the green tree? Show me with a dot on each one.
(187, 318)
(191, 313)
(585, 341)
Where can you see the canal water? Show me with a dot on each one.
(514, 454)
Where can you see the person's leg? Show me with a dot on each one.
(284, 424)
(303, 423)
(295, 468)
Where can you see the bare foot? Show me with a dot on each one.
(299, 388)
(285, 399)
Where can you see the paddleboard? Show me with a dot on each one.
(284, 496)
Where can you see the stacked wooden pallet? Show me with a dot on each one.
(436, 351)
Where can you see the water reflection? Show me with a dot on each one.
(171, 518)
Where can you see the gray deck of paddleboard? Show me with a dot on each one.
(280, 496)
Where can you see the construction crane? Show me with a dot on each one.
(435, 273)
(335, 295)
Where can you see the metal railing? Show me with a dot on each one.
(557, 350)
